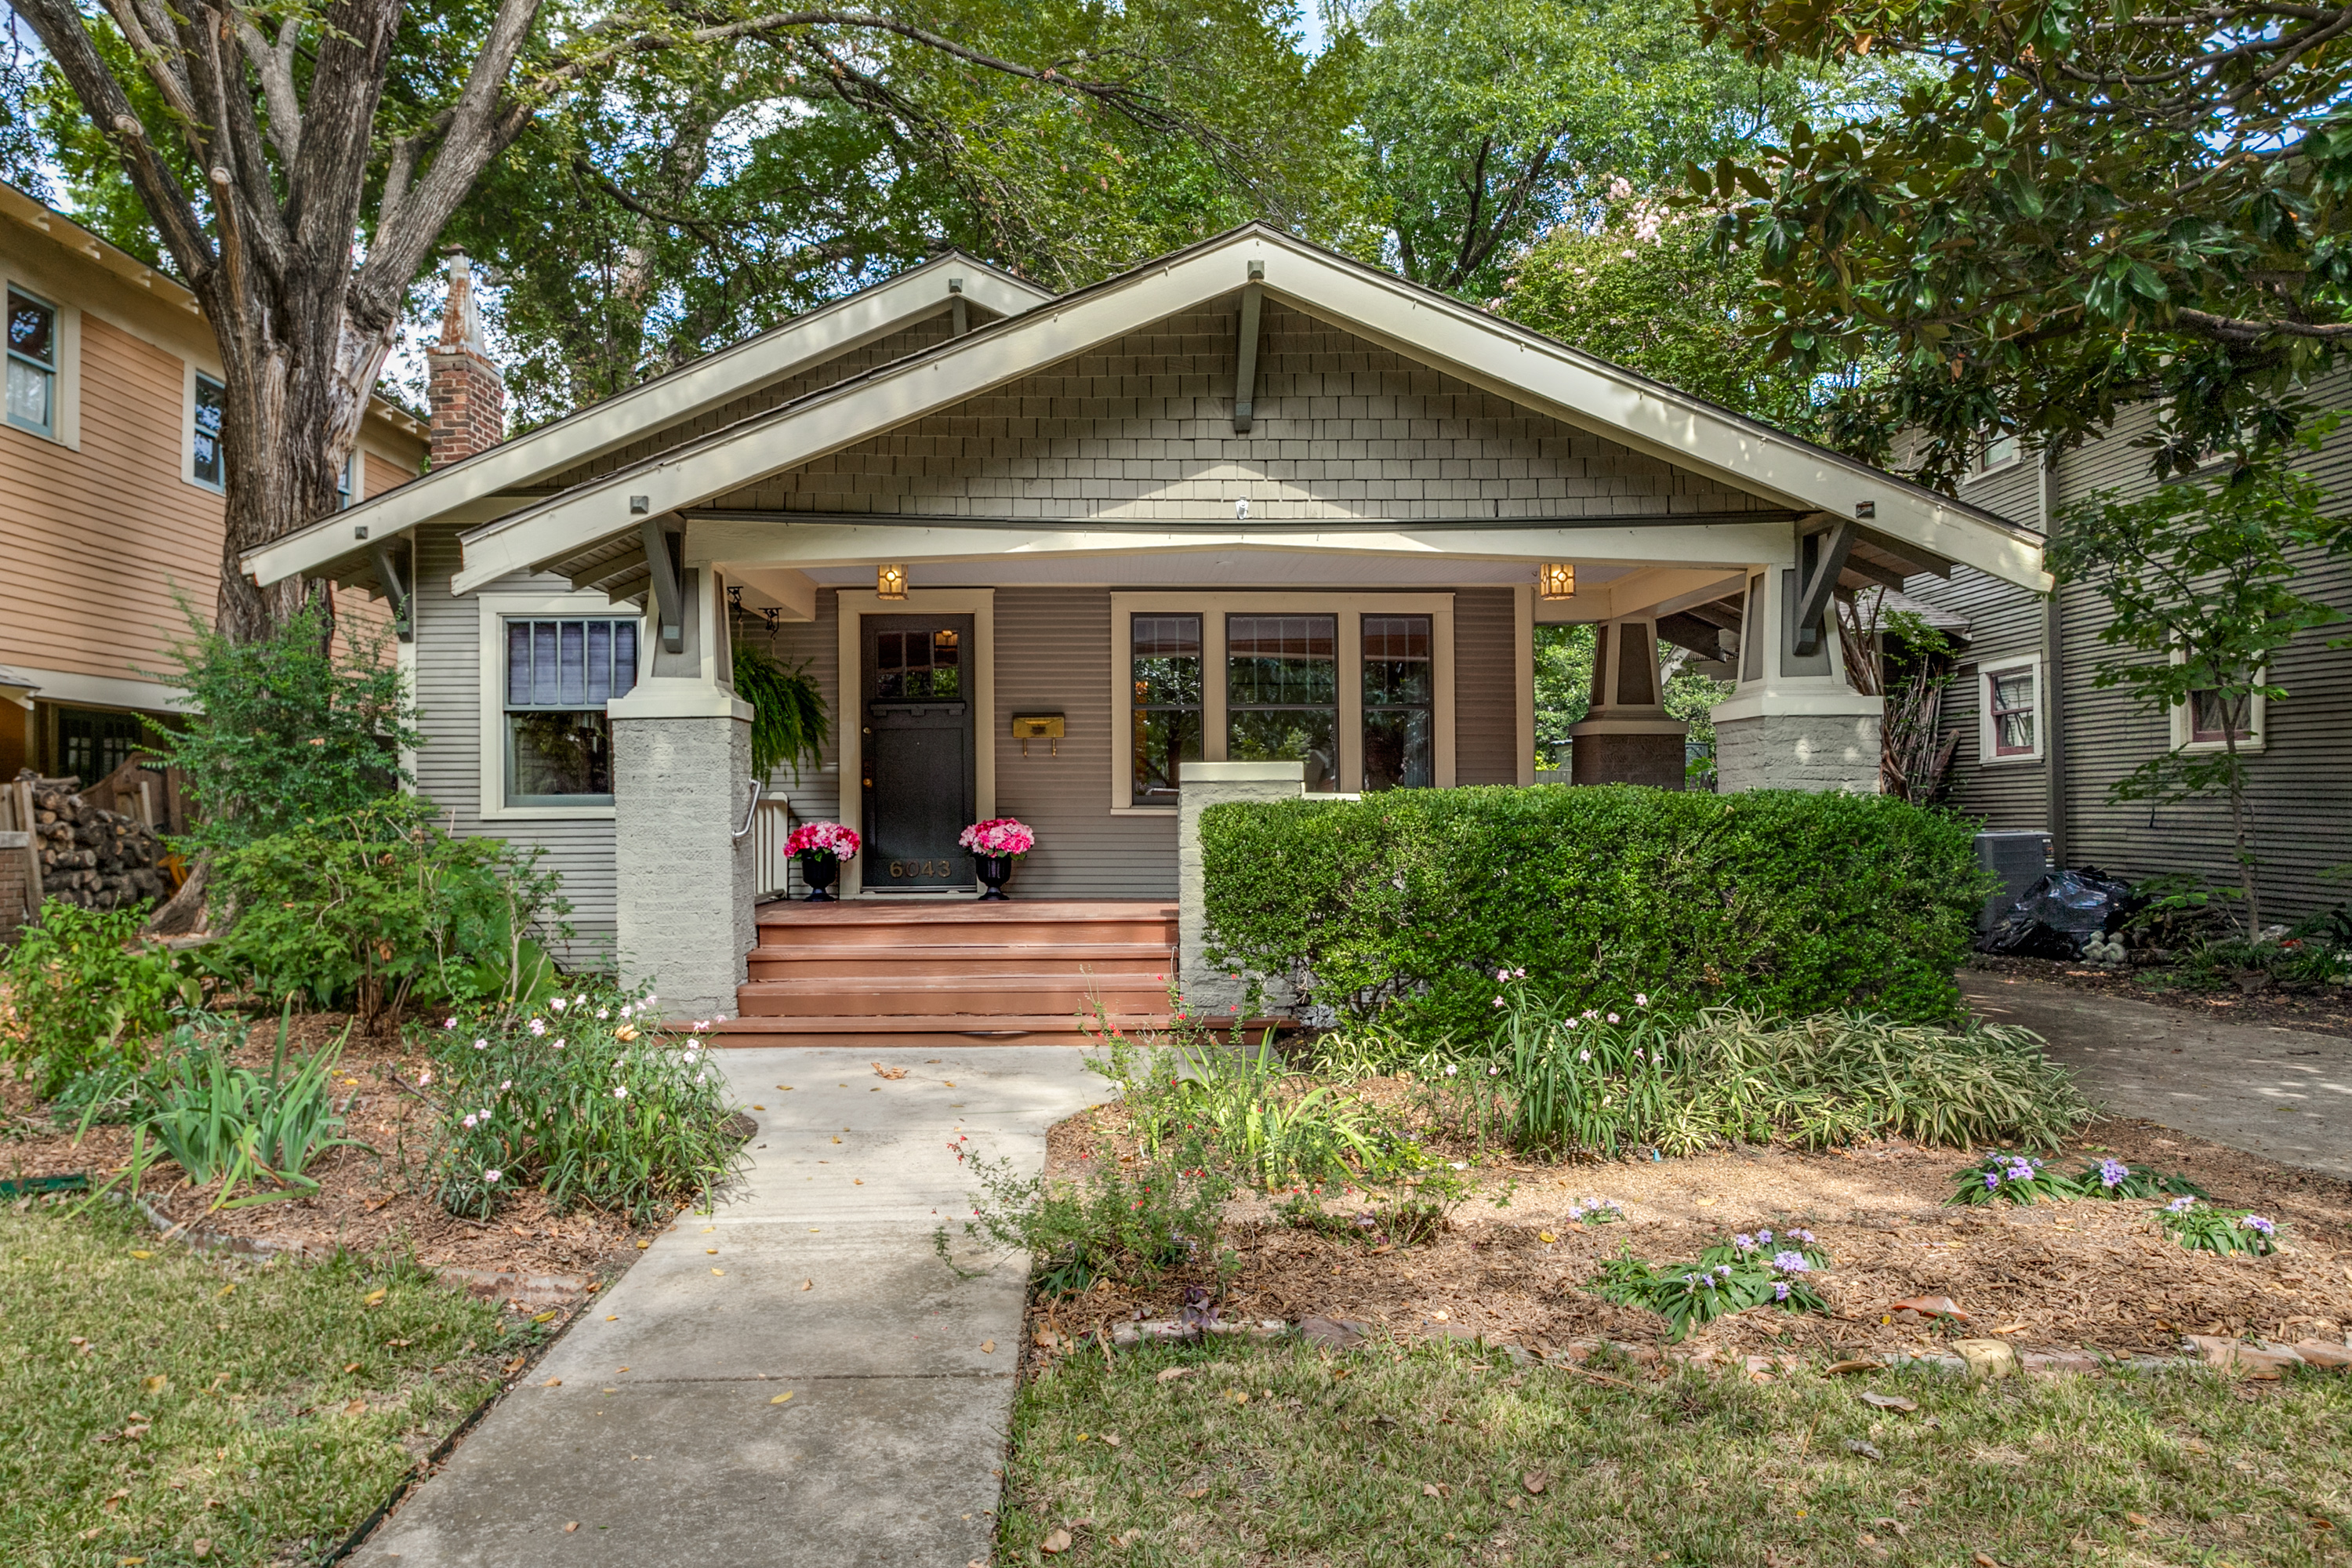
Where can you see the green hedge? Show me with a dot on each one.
(1404, 904)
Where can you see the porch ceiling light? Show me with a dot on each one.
(1556, 580)
(890, 582)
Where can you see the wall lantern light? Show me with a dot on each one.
(890, 582)
(1556, 580)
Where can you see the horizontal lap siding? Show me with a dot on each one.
(1485, 687)
(99, 541)
(1052, 656)
(2300, 801)
(814, 646)
(448, 762)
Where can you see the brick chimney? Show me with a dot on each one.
(467, 393)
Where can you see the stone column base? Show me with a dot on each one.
(1628, 751)
(1818, 751)
(684, 919)
(1198, 787)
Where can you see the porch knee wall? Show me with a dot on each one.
(685, 923)
(1820, 752)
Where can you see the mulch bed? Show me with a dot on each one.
(2088, 1275)
(369, 1202)
(2321, 1009)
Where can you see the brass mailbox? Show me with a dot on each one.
(1028, 726)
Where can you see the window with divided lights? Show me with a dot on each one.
(32, 363)
(1400, 687)
(1281, 693)
(208, 458)
(1164, 654)
(912, 666)
(560, 675)
(2215, 720)
(2010, 699)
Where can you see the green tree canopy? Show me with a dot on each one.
(2072, 208)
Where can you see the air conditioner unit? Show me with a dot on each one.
(2020, 858)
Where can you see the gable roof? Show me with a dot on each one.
(485, 484)
(1907, 523)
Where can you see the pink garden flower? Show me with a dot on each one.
(821, 839)
(998, 836)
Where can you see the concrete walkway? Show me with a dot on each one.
(2274, 1092)
(663, 1441)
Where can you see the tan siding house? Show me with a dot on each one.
(106, 520)
(1249, 520)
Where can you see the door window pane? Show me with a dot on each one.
(210, 462)
(1399, 685)
(918, 666)
(560, 674)
(1282, 691)
(1165, 670)
(32, 363)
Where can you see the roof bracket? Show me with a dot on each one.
(1821, 560)
(1246, 373)
(959, 313)
(396, 588)
(661, 560)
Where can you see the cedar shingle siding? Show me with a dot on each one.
(2302, 794)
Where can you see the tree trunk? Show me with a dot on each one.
(2240, 830)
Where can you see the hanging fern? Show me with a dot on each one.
(788, 718)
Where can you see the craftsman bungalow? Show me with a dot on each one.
(1249, 518)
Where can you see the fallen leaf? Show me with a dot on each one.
(1841, 1368)
(2137, 1521)
(712, 1250)
(356, 1407)
(1238, 1395)
(721, 1272)
(1535, 1482)
(1055, 1543)
(1931, 1307)
(808, 1284)
(2011, 1329)
(155, 1385)
(372, 1298)
(643, 1245)
(881, 1071)
(1706, 1203)
(1856, 1446)
(1130, 1538)
(1889, 1401)
(988, 1347)
(1983, 1560)
(1197, 1493)
(142, 1256)
(1110, 1439)
(1428, 1490)
(1169, 1374)
(779, 1399)
(612, 1317)
(553, 1383)
(837, 1139)
(202, 1548)
(571, 1527)
(949, 1081)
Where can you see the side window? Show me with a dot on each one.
(1165, 658)
(347, 483)
(1399, 689)
(558, 675)
(2010, 719)
(208, 457)
(32, 363)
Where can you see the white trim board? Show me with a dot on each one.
(691, 390)
(1486, 351)
(1213, 608)
(849, 701)
(101, 691)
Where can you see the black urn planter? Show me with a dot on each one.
(993, 870)
(818, 870)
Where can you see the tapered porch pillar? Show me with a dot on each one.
(1626, 737)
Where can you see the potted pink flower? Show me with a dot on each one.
(995, 844)
(821, 848)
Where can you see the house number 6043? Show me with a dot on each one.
(918, 868)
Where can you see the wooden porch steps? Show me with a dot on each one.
(939, 972)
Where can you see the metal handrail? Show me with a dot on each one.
(751, 810)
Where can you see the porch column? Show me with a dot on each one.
(681, 784)
(1626, 737)
(1200, 785)
(1796, 721)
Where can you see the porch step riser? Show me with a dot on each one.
(1131, 960)
(1044, 998)
(1009, 934)
(967, 1028)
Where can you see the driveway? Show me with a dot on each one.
(2278, 1092)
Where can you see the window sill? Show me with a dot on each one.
(2011, 759)
(2251, 744)
(1143, 811)
(37, 432)
(525, 811)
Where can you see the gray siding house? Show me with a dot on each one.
(2043, 654)
(1249, 518)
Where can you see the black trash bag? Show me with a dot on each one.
(2058, 914)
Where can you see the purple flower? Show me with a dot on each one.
(1805, 1236)
(2180, 1205)
(2112, 1171)
(1992, 1180)
(1780, 1291)
(1791, 1263)
(1745, 1242)
(1764, 1238)
(2256, 1222)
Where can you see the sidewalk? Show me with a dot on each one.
(2277, 1092)
(662, 1437)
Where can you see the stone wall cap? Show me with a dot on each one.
(1241, 773)
(15, 841)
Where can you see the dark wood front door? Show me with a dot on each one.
(918, 746)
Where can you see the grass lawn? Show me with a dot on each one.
(1282, 1455)
(162, 1407)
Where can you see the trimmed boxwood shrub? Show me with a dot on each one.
(1403, 905)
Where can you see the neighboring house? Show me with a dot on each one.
(1250, 518)
(2040, 744)
(110, 490)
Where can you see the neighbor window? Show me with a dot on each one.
(32, 363)
(1997, 447)
(2011, 696)
(1399, 688)
(208, 459)
(1164, 654)
(343, 486)
(1281, 693)
(2210, 720)
(560, 675)
(93, 742)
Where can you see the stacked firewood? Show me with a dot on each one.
(97, 858)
